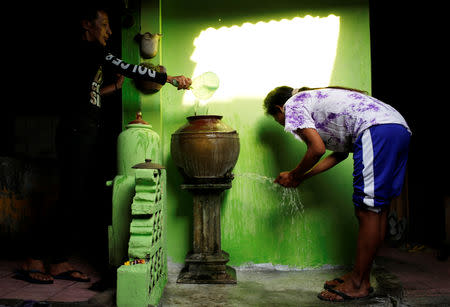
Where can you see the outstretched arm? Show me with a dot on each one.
(144, 73)
(134, 71)
(309, 165)
(325, 164)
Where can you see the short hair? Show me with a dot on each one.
(88, 9)
(277, 97)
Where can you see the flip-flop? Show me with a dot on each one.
(344, 296)
(67, 275)
(25, 276)
(341, 281)
(327, 286)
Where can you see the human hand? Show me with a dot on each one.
(111, 88)
(287, 180)
(119, 82)
(181, 82)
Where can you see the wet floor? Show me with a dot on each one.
(259, 287)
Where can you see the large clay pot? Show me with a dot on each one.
(205, 149)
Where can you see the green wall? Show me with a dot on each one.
(261, 222)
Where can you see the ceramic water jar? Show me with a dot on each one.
(135, 144)
(205, 149)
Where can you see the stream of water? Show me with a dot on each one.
(290, 198)
(200, 109)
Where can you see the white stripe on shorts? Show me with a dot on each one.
(369, 180)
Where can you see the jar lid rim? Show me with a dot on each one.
(204, 117)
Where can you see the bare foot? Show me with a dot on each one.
(59, 268)
(347, 289)
(37, 266)
(337, 281)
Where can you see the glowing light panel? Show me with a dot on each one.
(252, 59)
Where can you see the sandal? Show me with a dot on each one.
(25, 275)
(341, 281)
(67, 275)
(344, 296)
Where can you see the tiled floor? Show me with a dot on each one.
(59, 291)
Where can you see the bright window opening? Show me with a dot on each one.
(252, 59)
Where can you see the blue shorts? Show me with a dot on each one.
(380, 154)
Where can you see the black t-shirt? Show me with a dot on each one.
(84, 78)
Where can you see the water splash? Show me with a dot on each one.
(290, 198)
(200, 109)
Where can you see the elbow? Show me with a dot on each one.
(318, 151)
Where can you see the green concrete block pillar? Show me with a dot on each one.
(133, 285)
(142, 284)
(131, 102)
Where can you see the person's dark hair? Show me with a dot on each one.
(281, 94)
(88, 10)
(277, 97)
(90, 13)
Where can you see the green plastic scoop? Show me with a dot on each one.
(203, 86)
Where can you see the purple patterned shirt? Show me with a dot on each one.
(339, 116)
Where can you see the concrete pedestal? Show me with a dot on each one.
(207, 262)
